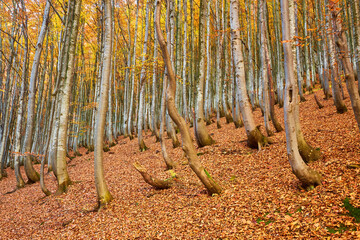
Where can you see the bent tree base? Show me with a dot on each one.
(257, 140)
(63, 187)
(308, 153)
(188, 147)
(142, 146)
(104, 200)
(156, 183)
(308, 177)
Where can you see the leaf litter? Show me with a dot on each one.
(261, 199)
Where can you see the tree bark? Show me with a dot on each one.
(141, 110)
(202, 134)
(19, 179)
(61, 165)
(255, 138)
(342, 44)
(188, 147)
(32, 175)
(308, 177)
(103, 194)
(338, 101)
(307, 152)
(131, 108)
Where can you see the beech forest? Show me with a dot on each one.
(179, 119)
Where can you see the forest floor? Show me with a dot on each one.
(262, 198)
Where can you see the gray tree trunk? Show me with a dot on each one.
(103, 194)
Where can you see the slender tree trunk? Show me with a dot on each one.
(141, 111)
(338, 101)
(188, 147)
(32, 175)
(219, 51)
(184, 73)
(264, 63)
(307, 152)
(308, 177)
(201, 134)
(306, 46)
(207, 99)
(19, 179)
(324, 58)
(170, 43)
(294, 12)
(103, 194)
(61, 166)
(154, 85)
(342, 44)
(127, 73)
(131, 108)
(255, 137)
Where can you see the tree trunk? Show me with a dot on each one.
(32, 175)
(341, 42)
(65, 91)
(307, 152)
(338, 101)
(308, 177)
(103, 194)
(19, 179)
(141, 111)
(131, 108)
(188, 147)
(184, 73)
(202, 135)
(265, 62)
(255, 137)
(154, 87)
(219, 51)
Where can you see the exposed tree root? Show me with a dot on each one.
(318, 102)
(256, 139)
(156, 183)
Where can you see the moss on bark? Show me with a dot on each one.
(63, 187)
(308, 153)
(142, 146)
(256, 139)
(309, 178)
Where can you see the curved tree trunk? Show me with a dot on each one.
(342, 44)
(32, 175)
(169, 163)
(308, 177)
(156, 183)
(307, 152)
(103, 194)
(338, 101)
(255, 138)
(188, 147)
(19, 179)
